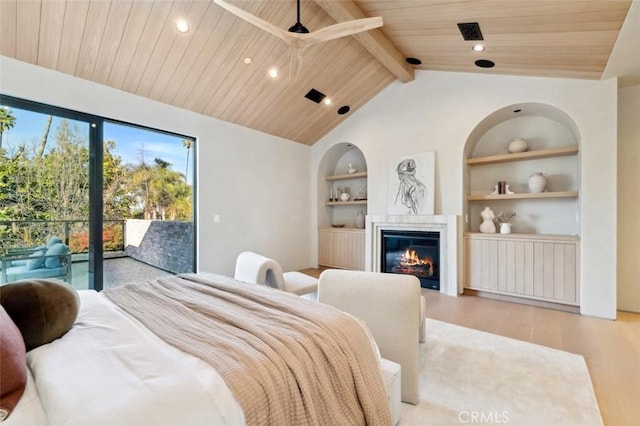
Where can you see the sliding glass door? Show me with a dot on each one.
(118, 197)
(44, 201)
(148, 204)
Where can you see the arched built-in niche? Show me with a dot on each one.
(545, 127)
(333, 165)
(539, 261)
(343, 246)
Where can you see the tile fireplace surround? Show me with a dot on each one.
(446, 225)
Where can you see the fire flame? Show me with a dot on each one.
(411, 258)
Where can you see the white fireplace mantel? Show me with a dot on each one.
(446, 225)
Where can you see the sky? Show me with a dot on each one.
(130, 140)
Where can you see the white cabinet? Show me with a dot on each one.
(341, 248)
(540, 267)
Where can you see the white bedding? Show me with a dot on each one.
(113, 370)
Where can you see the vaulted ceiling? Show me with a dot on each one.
(134, 46)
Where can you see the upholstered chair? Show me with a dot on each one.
(257, 269)
(392, 307)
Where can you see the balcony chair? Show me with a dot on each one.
(26, 251)
(257, 269)
(55, 262)
(392, 307)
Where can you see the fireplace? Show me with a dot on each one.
(445, 225)
(412, 253)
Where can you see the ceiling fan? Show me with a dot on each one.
(299, 37)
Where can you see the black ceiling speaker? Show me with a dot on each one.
(343, 109)
(470, 31)
(315, 95)
(485, 63)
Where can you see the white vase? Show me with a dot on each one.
(487, 226)
(344, 196)
(360, 220)
(505, 228)
(537, 182)
(518, 145)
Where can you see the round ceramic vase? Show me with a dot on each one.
(537, 182)
(505, 228)
(518, 145)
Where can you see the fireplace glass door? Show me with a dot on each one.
(412, 253)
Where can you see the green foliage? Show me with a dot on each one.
(7, 121)
(53, 185)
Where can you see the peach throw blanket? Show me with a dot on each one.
(287, 360)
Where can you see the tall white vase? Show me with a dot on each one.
(360, 220)
(537, 182)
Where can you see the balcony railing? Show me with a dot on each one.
(74, 233)
(134, 249)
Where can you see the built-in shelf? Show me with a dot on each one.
(347, 176)
(521, 156)
(524, 195)
(517, 236)
(346, 203)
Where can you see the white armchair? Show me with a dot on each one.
(257, 269)
(392, 306)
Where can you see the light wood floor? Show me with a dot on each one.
(611, 348)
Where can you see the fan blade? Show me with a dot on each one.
(260, 23)
(342, 29)
(295, 64)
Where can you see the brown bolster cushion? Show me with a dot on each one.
(42, 309)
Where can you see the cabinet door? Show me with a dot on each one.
(341, 249)
(325, 248)
(544, 269)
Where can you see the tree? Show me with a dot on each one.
(45, 136)
(159, 191)
(115, 189)
(7, 121)
(187, 143)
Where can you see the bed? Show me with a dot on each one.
(203, 349)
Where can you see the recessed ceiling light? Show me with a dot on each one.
(182, 25)
(247, 60)
(327, 101)
(478, 48)
(273, 73)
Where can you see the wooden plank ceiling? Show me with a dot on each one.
(134, 46)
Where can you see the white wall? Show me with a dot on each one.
(439, 110)
(628, 198)
(257, 183)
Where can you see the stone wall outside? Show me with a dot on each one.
(164, 244)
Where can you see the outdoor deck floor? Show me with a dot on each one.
(117, 271)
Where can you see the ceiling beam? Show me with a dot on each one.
(374, 41)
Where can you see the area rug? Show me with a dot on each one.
(472, 377)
